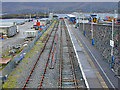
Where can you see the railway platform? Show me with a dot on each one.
(96, 72)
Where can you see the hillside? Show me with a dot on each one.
(22, 7)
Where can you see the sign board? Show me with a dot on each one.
(111, 43)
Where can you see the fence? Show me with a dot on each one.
(11, 65)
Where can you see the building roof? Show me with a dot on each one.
(4, 26)
(70, 15)
(31, 31)
(44, 19)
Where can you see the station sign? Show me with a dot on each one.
(111, 43)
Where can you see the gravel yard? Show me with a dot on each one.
(17, 39)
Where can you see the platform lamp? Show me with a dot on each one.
(112, 44)
(83, 26)
(92, 31)
(79, 21)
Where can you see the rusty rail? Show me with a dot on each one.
(53, 53)
(47, 60)
(70, 56)
(61, 58)
(44, 39)
(37, 60)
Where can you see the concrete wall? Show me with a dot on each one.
(102, 36)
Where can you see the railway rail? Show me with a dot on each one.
(29, 79)
(67, 76)
(56, 57)
(47, 60)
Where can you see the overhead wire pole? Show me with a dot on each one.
(111, 65)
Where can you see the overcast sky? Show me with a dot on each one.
(60, 0)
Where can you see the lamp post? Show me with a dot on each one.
(30, 16)
(112, 44)
(48, 13)
(92, 31)
(116, 16)
(83, 26)
(79, 21)
(24, 18)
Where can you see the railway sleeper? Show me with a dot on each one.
(67, 80)
(68, 83)
(68, 77)
(67, 74)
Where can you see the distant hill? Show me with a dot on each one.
(22, 7)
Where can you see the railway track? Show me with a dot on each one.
(67, 78)
(55, 59)
(47, 60)
(35, 78)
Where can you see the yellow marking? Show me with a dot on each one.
(90, 61)
(102, 82)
